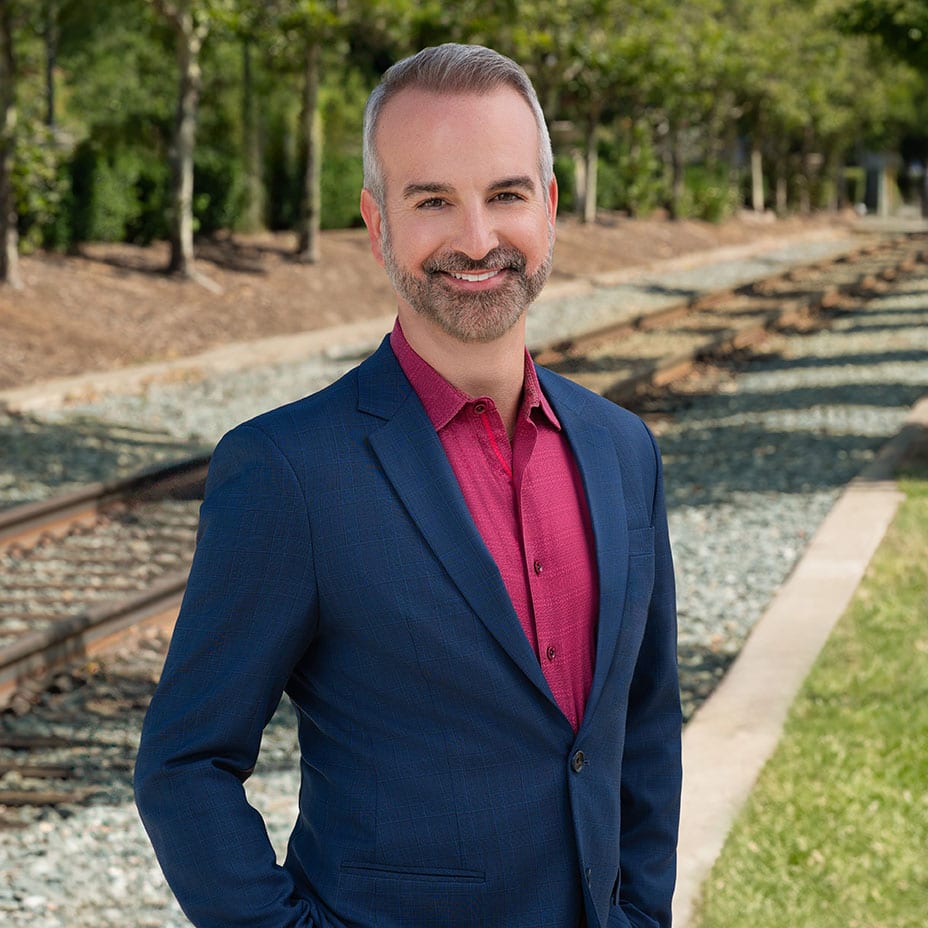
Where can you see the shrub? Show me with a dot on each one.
(218, 191)
(118, 194)
(631, 171)
(708, 195)
(342, 176)
(40, 187)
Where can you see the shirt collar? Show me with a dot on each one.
(443, 401)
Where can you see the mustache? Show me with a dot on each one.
(497, 259)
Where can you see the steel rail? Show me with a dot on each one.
(24, 525)
(37, 654)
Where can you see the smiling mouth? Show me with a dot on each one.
(476, 276)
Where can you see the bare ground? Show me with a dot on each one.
(112, 305)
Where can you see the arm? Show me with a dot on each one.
(651, 767)
(248, 615)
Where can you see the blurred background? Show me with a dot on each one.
(176, 175)
(137, 120)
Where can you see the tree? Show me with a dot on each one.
(686, 74)
(309, 29)
(808, 95)
(191, 21)
(901, 25)
(50, 39)
(580, 55)
(248, 23)
(902, 28)
(303, 28)
(253, 213)
(9, 236)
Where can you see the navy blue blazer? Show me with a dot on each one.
(442, 786)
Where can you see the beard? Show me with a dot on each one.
(469, 317)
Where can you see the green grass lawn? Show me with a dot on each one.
(835, 834)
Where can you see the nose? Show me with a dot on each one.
(476, 235)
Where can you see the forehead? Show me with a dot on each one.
(429, 137)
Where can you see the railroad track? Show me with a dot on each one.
(80, 568)
(654, 349)
(84, 569)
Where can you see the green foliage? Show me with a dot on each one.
(117, 194)
(564, 172)
(708, 194)
(901, 25)
(219, 191)
(39, 186)
(342, 176)
(632, 176)
(785, 76)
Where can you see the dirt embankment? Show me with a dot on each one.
(112, 305)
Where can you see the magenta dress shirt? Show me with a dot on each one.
(527, 501)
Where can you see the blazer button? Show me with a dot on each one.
(577, 762)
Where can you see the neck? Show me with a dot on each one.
(495, 369)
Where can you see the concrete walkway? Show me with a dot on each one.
(729, 739)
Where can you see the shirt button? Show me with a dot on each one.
(577, 762)
(480, 408)
(550, 653)
(537, 567)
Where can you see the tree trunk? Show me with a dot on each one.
(9, 235)
(311, 123)
(781, 189)
(757, 179)
(592, 170)
(678, 185)
(51, 60)
(806, 174)
(189, 43)
(253, 218)
(579, 160)
(834, 188)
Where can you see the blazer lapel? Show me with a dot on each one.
(415, 462)
(597, 460)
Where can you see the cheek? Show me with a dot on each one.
(535, 240)
(414, 242)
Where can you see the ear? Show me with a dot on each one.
(373, 219)
(551, 201)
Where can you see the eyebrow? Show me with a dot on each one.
(519, 182)
(416, 190)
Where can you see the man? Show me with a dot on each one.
(456, 566)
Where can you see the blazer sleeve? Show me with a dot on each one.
(248, 615)
(651, 766)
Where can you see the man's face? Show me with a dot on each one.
(466, 232)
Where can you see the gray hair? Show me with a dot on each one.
(450, 69)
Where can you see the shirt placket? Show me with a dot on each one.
(540, 554)
(532, 555)
(492, 435)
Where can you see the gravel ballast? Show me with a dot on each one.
(754, 459)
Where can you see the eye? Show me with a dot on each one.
(431, 203)
(508, 196)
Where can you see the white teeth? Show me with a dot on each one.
(473, 278)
